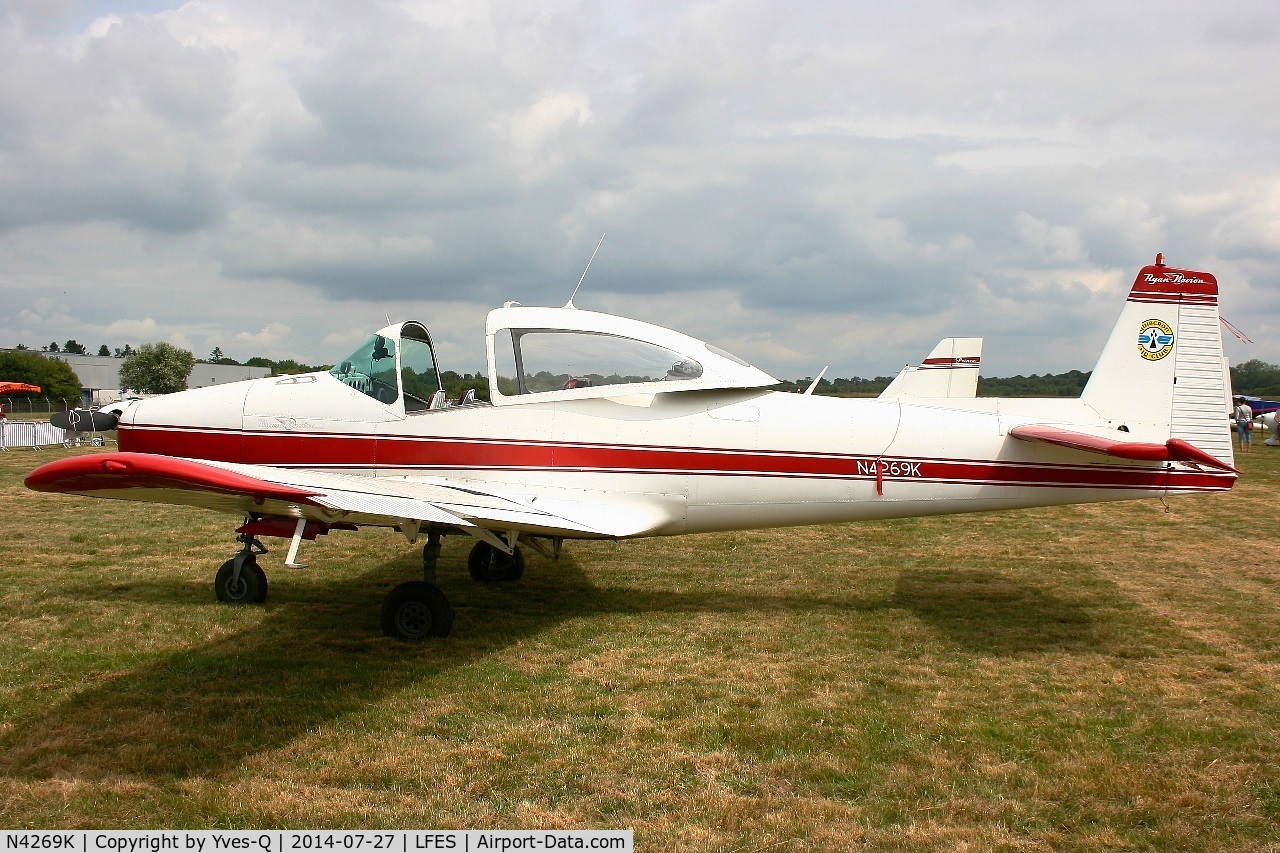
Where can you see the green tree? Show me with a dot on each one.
(289, 366)
(55, 378)
(73, 347)
(102, 350)
(217, 357)
(456, 384)
(284, 367)
(1257, 378)
(157, 369)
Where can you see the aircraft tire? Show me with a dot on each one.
(252, 588)
(489, 565)
(416, 610)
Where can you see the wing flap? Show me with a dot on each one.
(1173, 450)
(385, 506)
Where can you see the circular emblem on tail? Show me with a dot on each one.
(1155, 339)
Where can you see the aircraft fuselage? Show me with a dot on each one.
(734, 459)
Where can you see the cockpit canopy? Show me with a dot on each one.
(553, 353)
(395, 366)
(569, 353)
(561, 359)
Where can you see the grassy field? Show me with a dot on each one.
(1073, 678)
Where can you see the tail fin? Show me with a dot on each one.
(951, 370)
(1160, 373)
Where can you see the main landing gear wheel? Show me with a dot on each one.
(415, 611)
(249, 588)
(489, 565)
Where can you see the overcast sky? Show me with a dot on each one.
(802, 184)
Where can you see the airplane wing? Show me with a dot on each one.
(1258, 405)
(1173, 450)
(329, 497)
(951, 370)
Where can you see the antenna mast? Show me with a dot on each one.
(570, 304)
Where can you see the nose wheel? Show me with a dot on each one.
(241, 580)
(248, 587)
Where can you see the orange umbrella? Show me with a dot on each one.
(18, 388)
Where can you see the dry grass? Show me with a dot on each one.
(1088, 677)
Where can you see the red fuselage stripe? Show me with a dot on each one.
(432, 453)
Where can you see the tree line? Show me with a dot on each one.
(163, 368)
(74, 347)
(1068, 384)
(1255, 377)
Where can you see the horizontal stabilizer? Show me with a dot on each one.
(1173, 450)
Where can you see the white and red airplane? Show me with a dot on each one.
(602, 427)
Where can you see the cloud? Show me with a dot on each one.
(145, 330)
(850, 183)
(123, 124)
(269, 338)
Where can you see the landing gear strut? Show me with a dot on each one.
(417, 610)
(241, 580)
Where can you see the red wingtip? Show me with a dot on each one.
(113, 471)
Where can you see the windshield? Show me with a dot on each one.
(371, 369)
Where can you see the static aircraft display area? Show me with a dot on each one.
(604, 427)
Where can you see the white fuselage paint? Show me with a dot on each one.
(740, 458)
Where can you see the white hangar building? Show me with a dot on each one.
(100, 375)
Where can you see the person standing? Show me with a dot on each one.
(1243, 416)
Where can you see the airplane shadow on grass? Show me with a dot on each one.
(318, 654)
(986, 612)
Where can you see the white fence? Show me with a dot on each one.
(33, 434)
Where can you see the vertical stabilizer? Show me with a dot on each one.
(951, 370)
(1160, 373)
